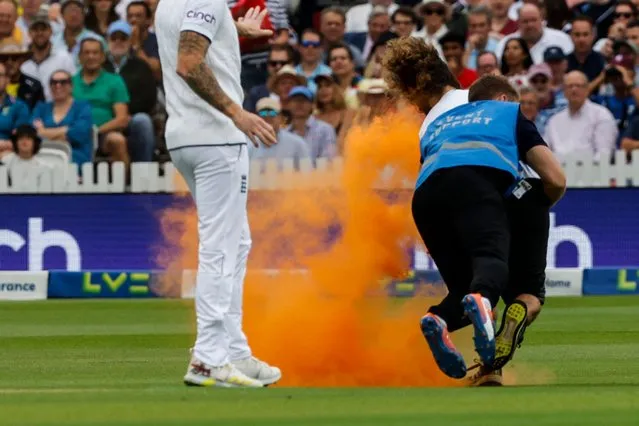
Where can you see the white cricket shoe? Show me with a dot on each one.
(258, 370)
(226, 376)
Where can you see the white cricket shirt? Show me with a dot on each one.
(192, 121)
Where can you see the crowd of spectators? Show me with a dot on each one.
(86, 74)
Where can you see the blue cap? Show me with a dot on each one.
(119, 26)
(301, 91)
(554, 53)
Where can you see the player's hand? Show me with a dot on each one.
(250, 24)
(255, 128)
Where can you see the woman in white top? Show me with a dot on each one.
(515, 62)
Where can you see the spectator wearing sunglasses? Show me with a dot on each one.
(311, 52)
(279, 56)
(435, 14)
(625, 12)
(289, 145)
(64, 119)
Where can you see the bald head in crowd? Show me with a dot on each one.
(576, 89)
(531, 23)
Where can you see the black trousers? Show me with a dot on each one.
(529, 219)
(461, 215)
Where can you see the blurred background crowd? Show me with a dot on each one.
(84, 77)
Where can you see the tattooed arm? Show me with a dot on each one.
(193, 69)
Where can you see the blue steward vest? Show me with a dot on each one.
(480, 133)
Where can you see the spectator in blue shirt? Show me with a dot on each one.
(13, 113)
(311, 52)
(66, 120)
(620, 75)
(320, 137)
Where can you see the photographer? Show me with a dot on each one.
(619, 77)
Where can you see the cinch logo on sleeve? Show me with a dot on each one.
(206, 17)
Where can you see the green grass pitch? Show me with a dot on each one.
(121, 362)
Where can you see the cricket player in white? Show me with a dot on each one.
(206, 134)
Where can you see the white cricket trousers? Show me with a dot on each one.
(217, 177)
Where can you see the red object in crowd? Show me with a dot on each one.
(467, 77)
(248, 45)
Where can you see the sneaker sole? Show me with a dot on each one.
(484, 346)
(448, 361)
(510, 330)
(212, 383)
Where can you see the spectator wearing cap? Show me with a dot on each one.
(10, 33)
(434, 14)
(404, 21)
(280, 84)
(330, 107)
(374, 67)
(453, 47)
(320, 137)
(311, 49)
(540, 78)
(332, 27)
(100, 14)
(109, 98)
(556, 60)
(66, 120)
(138, 77)
(373, 100)
(32, 9)
(279, 57)
(378, 23)
(13, 112)
(143, 42)
(583, 128)
(74, 29)
(620, 75)
(342, 66)
(358, 17)
(584, 58)
(502, 25)
(537, 37)
(487, 64)
(21, 161)
(21, 86)
(479, 38)
(44, 59)
(288, 146)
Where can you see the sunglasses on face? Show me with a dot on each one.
(626, 15)
(60, 82)
(311, 43)
(539, 81)
(267, 113)
(118, 37)
(429, 12)
(277, 63)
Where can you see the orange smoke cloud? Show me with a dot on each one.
(332, 324)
